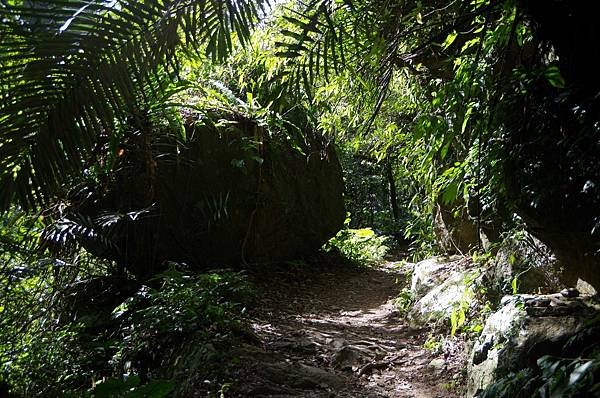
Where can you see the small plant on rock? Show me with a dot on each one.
(433, 343)
(404, 300)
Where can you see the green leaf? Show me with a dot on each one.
(461, 318)
(466, 118)
(449, 39)
(552, 74)
(580, 371)
(450, 194)
(453, 322)
(364, 232)
(468, 44)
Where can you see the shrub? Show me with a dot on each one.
(362, 246)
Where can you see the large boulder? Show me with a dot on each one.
(552, 147)
(437, 306)
(235, 192)
(523, 330)
(440, 286)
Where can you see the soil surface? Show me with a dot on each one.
(336, 333)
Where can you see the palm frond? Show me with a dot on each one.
(72, 71)
(374, 37)
(99, 234)
(321, 38)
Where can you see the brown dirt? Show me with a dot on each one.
(337, 333)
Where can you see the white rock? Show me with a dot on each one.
(429, 273)
(437, 305)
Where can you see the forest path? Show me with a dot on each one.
(336, 333)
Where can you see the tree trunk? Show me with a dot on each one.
(389, 173)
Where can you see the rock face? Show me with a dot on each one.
(439, 286)
(455, 234)
(552, 171)
(531, 263)
(231, 194)
(523, 330)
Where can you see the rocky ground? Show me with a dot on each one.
(335, 332)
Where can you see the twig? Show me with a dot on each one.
(378, 365)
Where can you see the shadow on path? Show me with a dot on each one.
(337, 334)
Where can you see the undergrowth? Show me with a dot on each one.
(361, 246)
(168, 337)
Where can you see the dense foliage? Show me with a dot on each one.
(104, 336)
(454, 121)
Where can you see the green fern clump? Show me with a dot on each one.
(361, 246)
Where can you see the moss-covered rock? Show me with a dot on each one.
(526, 328)
(234, 192)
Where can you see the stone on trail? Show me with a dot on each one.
(437, 365)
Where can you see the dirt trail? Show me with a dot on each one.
(337, 334)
